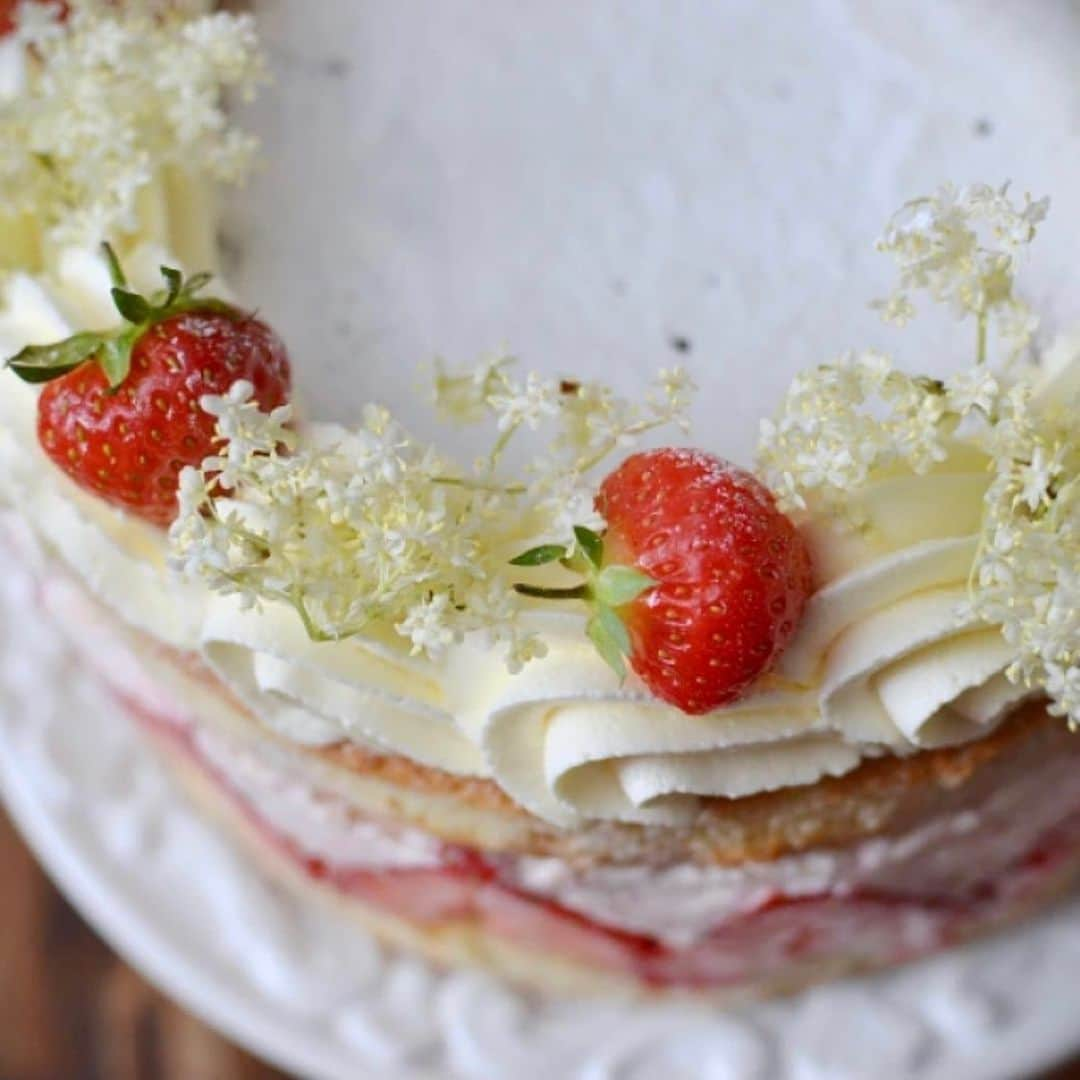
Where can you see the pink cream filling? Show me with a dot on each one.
(871, 924)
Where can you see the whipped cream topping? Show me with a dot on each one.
(884, 662)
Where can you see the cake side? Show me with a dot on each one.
(646, 908)
(532, 954)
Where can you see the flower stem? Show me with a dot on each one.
(479, 485)
(501, 444)
(980, 338)
(584, 464)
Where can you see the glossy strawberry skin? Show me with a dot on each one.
(734, 574)
(128, 446)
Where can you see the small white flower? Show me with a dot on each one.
(1036, 477)
(1026, 574)
(960, 246)
(896, 309)
(465, 396)
(379, 444)
(224, 405)
(974, 388)
(428, 626)
(564, 500)
(844, 421)
(193, 491)
(677, 387)
(523, 648)
(527, 405)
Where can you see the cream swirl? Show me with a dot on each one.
(885, 661)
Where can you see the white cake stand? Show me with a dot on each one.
(307, 991)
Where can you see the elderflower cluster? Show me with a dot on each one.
(366, 530)
(1027, 574)
(842, 422)
(590, 422)
(959, 245)
(112, 95)
(840, 425)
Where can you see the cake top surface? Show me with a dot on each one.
(605, 190)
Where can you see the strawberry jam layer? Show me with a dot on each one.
(861, 925)
(868, 927)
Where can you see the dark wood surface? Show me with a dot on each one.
(72, 1010)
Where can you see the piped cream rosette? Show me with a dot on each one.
(886, 662)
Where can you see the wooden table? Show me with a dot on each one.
(72, 1010)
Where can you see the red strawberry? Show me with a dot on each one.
(699, 580)
(121, 414)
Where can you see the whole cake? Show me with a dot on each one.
(591, 711)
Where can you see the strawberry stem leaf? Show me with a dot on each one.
(591, 545)
(133, 307)
(615, 627)
(116, 271)
(42, 363)
(618, 585)
(196, 283)
(114, 358)
(174, 284)
(607, 632)
(539, 556)
(605, 590)
(112, 349)
(542, 592)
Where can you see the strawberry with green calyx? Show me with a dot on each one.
(121, 412)
(113, 349)
(698, 582)
(605, 589)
